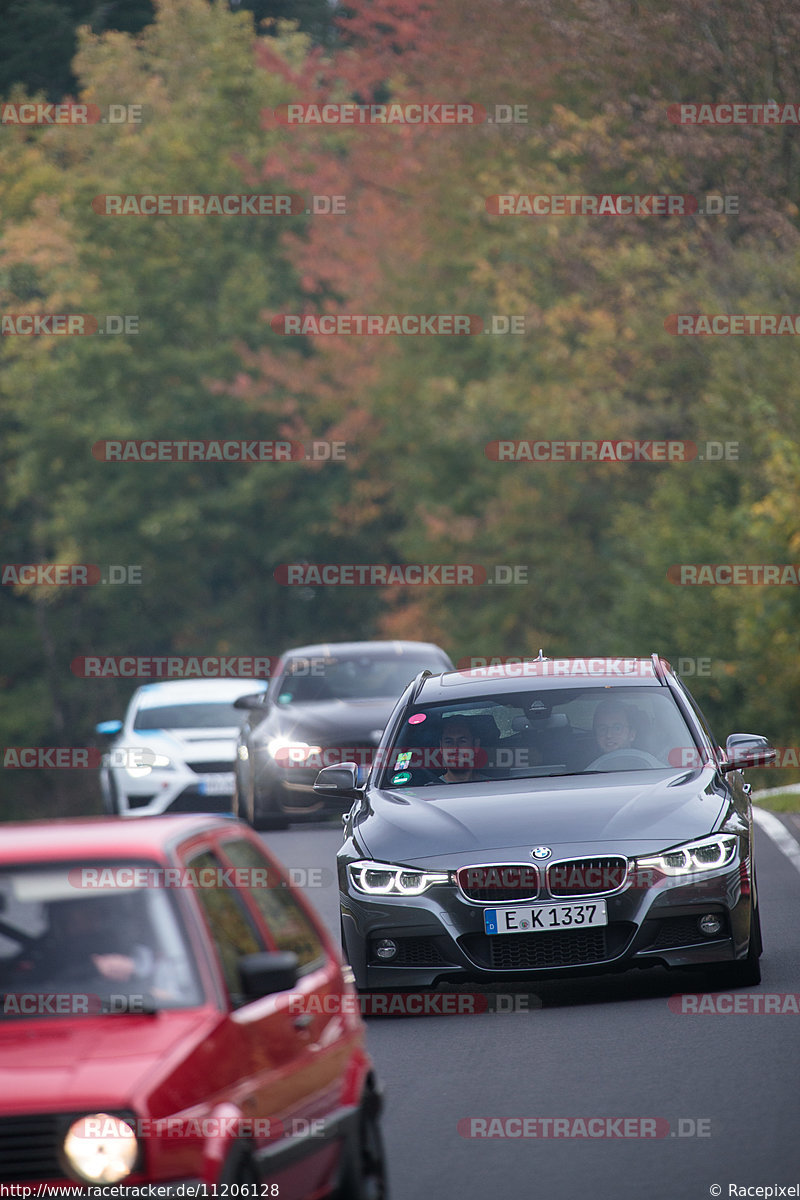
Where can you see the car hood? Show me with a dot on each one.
(187, 745)
(93, 1062)
(449, 825)
(332, 722)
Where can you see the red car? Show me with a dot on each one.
(175, 1013)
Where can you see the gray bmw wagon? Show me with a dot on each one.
(548, 817)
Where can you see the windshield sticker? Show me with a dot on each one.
(417, 718)
(403, 759)
(401, 777)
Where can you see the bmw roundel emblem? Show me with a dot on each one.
(541, 852)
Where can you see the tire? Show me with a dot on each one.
(364, 1175)
(240, 1167)
(266, 815)
(239, 803)
(745, 972)
(111, 800)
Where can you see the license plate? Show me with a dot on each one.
(542, 917)
(217, 785)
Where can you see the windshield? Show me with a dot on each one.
(359, 678)
(541, 733)
(189, 716)
(69, 946)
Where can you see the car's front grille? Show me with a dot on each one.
(411, 952)
(587, 876)
(29, 1148)
(211, 768)
(535, 951)
(498, 883)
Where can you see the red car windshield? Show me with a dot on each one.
(79, 940)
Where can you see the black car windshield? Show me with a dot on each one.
(189, 716)
(564, 731)
(361, 677)
(87, 939)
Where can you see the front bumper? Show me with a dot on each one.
(178, 790)
(441, 937)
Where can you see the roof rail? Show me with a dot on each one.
(660, 666)
(418, 682)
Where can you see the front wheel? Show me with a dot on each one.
(364, 1176)
(745, 972)
(240, 1168)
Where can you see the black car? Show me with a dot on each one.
(553, 817)
(327, 703)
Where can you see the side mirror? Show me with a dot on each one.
(252, 700)
(268, 972)
(340, 781)
(108, 728)
(747, 750)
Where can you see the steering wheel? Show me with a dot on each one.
(630, 752)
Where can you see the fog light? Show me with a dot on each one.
(710, 924)
(386, 948)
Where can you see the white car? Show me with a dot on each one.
(175, 750)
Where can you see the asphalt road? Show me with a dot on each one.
(607, 1047)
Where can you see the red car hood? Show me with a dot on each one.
(97, 1063)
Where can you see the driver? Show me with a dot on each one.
(460, 749)
(91, 938)
(612, 727)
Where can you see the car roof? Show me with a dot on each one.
(543, 674)
(377, 649)
(88, 838)
(196, 691)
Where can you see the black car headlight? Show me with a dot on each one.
(101, 1148)
(387, 879)
(706, 855)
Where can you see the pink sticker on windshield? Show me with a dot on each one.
(417, 718)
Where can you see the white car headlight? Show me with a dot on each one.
(139, 761)
(101, 1148)
(387, 879)
(705, 855)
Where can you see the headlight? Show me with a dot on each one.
(706, 855)
(290, 753)
(139, 761)
(386, 879)
(101, 1148)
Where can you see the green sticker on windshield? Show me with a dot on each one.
(401, 777)
(403, 758)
